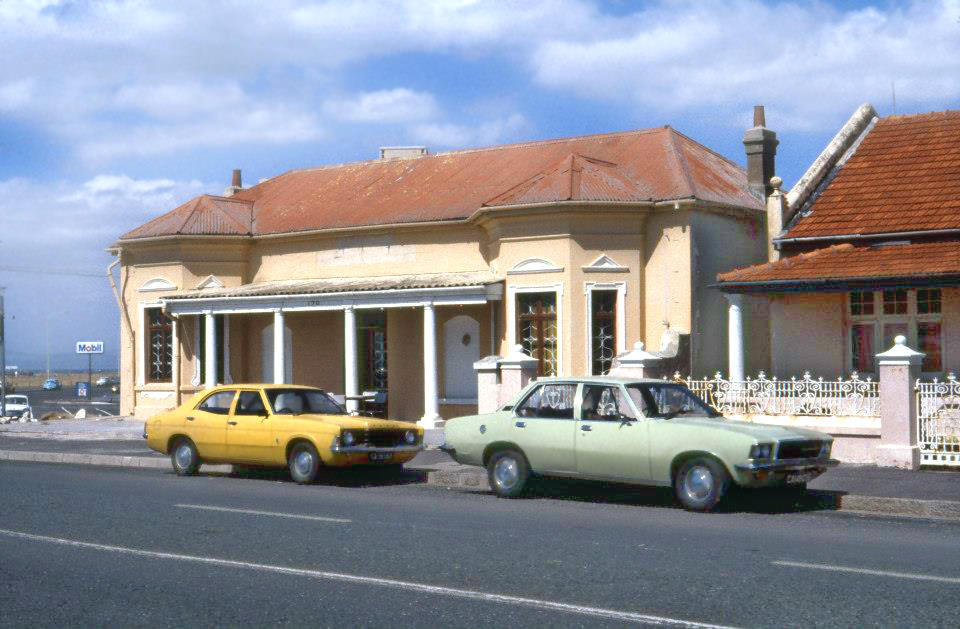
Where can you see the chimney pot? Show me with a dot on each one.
(759, 119)
(760, 144)
(237, 181)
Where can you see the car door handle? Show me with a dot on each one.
(189, 419)
(585, 427)
(521, 424)
(232, 422)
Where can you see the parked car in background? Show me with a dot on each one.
(302, 428)
(648, 432)
(101, 381)
(51, 384)
(18, 407)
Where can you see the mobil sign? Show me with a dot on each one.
(89, 347)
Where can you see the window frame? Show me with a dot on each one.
(145, 375)
(620, 326)
(575, 403)
(513, 291)
(229, 411)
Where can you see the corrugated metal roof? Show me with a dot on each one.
(904, 176)
(345, 285)
(647, 165)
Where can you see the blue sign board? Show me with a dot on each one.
(82, 390)
(89, 347)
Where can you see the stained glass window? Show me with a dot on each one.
(537, 329)
(928, 341)
(928, 301)
(603, 332)
(861, 302)
(895, 301)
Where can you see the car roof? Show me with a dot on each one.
(603, 380)
(262, 385)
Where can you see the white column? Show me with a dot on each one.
(227, 378)
(350, 358)
(431, 407)
(210, 351)
(279, 355)
(735, 336)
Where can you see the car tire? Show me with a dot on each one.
(508, 473)
(701, 483)
(183, 455)
(304, 463)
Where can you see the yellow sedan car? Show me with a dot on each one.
(302, 428)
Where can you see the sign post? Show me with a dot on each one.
(3, 363)
(89, 348)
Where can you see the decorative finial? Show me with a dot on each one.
(776, 182)
(900, 339)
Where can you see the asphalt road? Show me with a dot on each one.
(88, 546)
(43, 402)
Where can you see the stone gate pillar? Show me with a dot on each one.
(517, 369)
(899, 369)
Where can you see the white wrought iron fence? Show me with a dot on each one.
(938, 418)
(796, 396)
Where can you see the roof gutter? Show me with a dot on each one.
(877, 236)
(836, 284)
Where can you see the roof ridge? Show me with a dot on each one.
(704, 147)
(931, 114)
(682, 161)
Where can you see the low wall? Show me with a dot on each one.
(855, 438)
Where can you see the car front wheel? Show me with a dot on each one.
(184, 457)
(508, 473)
(701, 483)
(304, 463)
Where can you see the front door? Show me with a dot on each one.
(207, 424)
(612, 442)
(249, 432)
(544, 428)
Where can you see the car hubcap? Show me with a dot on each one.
(699, 483)
(184, 456)
(505, 473)
(303, 462)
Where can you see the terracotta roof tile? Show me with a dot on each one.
(846, 262)
(904, 176)
(654, 164)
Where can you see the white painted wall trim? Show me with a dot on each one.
(534, 265)
(512, 292)
(157, 284)
(197, 376)
(211, 281)
(604, 264)
(621, 321)
(140, 348)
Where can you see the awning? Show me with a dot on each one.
(390, 291)
(849, 267)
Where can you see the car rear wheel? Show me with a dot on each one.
(304, 463)
(701, 483)
(184, 457)
(508, 473)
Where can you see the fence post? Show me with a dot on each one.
(516, 371)
(636, 363)
(899, 370)
(488, 384)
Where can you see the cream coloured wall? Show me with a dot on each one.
(668, 297)
(405, 363)
(318, 349)
(807, 334)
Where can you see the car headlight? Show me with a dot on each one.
(825, 450)
(349, 438)
(410, 437)
(761, 451)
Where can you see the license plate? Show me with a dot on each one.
(795, 478)
(381, 456)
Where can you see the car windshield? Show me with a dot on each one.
(16, 399)
(668, 400)
(296, 401)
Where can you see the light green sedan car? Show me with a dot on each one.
(650, 432)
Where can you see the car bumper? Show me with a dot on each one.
(782, 472)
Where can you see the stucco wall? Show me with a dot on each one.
(317, 339)
(667, 276)
(405, 363)
(807, 334)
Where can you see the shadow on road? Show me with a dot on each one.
(357, 476)
(767, 501)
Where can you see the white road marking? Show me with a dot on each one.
(597, 612)
(273, 513)
(878, 573)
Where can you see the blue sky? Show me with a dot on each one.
(114, 112)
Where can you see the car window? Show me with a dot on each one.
(670, 400)
(250, 403)
(549, 401)
(218, 402)
(605, 403)
(296, 401)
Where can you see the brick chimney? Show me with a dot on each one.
(236, 184)
(761, 146)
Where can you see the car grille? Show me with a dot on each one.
(385, 438)
(799, 450)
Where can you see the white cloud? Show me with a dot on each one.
(394, 105)
(451, 135)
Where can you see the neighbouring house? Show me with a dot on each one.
(864, 248)
(397, 274)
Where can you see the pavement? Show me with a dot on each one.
(118, 441)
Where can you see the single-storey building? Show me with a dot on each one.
(865, 247)
(397, 274)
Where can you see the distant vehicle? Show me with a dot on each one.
(51, 384)
(18, 407)
(101, 381)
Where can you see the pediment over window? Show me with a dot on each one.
(534, 265)
(156, 284)
(604, 264)
(211, 281)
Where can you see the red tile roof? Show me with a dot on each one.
(904, 176)
(924, 261)
(647, 165)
